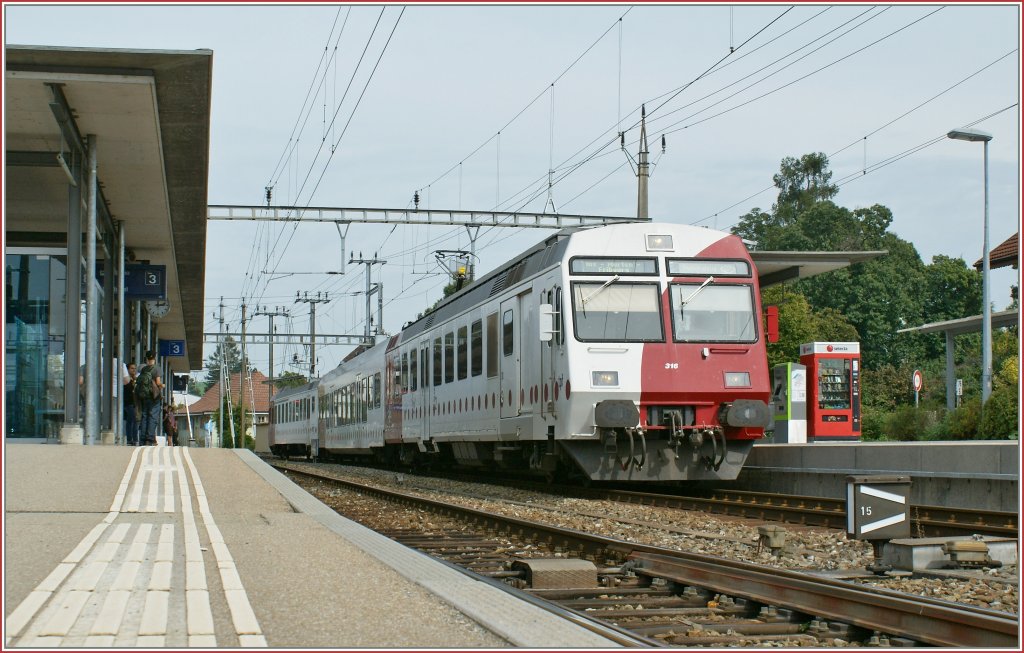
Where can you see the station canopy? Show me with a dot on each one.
(778, 267)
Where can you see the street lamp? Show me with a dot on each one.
(975, 135)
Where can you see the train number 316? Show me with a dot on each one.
(671, 366)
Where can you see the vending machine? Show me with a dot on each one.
(833, 390)
(789, 396)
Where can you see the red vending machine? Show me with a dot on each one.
(833, 390)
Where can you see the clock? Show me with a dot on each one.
(158, 308)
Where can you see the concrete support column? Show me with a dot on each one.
(950, 373)
(111, 376)
(122, 340)
(92, 308)
(71, 431)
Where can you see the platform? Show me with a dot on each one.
(173, 547)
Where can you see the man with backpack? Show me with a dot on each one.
(148, 388)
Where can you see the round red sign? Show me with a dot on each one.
(918, 381)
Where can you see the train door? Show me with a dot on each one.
(426, 390)
(510, 369)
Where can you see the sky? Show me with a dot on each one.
(470, 106)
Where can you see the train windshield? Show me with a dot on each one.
(712, 313)
(617, 311)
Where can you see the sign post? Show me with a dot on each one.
(918, 381)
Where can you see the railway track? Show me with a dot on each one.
(667, 597)
(926, 521)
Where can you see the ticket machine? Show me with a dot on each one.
(789, 396)
(833, 390)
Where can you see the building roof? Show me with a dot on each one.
(150, 113)
(256, 387)
(779, 266)
(966, 324)
(1006, 253)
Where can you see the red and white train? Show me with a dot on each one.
(625, 352)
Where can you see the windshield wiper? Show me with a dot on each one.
(686, 301)
(596, 292)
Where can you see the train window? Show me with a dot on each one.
(376, 385)
(413, 370)
(438, 366)
(365, 396)
(463, 354)
(702, 267)
(507, 334)
(449, 357)
(712, 313)
(403, 382)
(559, 320)
(476, 337)
(492, 345)
(617, 312)
(425, 374)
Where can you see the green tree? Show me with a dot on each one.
(802, 182)
(232, 359)
(799, 323)
(241, 420)
(290, 380)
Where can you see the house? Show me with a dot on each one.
(255, 398)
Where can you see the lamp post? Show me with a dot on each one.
(975, 135)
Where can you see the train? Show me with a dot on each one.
(624, 352)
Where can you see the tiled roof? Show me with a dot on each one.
(1006, 253)
(256, 388)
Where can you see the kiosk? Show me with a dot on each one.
(833, 390)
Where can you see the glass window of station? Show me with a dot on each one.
(34, 343)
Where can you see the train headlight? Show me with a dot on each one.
(659, 243)
(737, 379)
(604, 379)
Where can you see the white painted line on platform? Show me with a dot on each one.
(108, 622)
(127, 576)
(83, 547)
(122, 489)
(119, 533)
(56, 577)
(107, 552)
(24, 613)
(200, 617)
(154, 614)
(165, 548)
(195, 576)
(252, 641)
(150, 641)
(99, 641)
(153, 496)
(229, 578)
(60, 623)
(161, 577)
(242, 614)
(135, 499)
(202, 641)
(88, 576)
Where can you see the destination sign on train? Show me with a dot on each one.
(613, 266)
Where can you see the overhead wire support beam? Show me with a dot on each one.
(291, 338)
(444, 218)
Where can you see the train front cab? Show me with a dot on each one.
(680, 390)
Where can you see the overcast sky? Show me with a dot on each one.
(420, 96)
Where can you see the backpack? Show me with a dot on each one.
(145, 389)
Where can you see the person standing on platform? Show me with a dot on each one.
(131, 419)
(170, 424)
(148, 386)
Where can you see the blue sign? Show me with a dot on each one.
(143, 282)
(172, 347)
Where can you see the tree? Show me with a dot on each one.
(232, 360)
(800, 323)
(803, 182)
(233, 413)
(290, 380)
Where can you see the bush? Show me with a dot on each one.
(872, 423)
(1000, 419)
(907, 423)
(963, 422)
